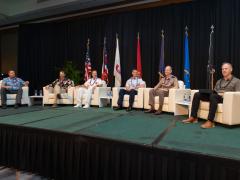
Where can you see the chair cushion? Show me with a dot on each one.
(63, 96)
(205, 106)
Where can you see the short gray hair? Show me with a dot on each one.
(227, 63)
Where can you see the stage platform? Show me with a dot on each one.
(99, 143)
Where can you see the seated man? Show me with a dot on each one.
(12, 85)
(131, 87)
(59, 86)
(162, 90)
(226, 84)
(88, 89)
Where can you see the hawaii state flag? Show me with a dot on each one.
(117, 66)
(88, 66)
(105, 63)
(139, 61)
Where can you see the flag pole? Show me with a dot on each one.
(186, 30)
(88, 43)
(160, 74)
(211, 70)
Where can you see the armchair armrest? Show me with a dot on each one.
(140, 100)
(25, 91)
(70, 91)
(146, 98)
(45, 95)
(115, 93)
(25, 95)
(231, 103)
(100, 92)
(172, 99)
(103, 91)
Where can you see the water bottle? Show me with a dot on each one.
(109, 93)
(35, 93)
(189, 97)
(40, 93)
(185, 97)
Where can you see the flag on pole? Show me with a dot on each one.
(139, 61)
(161, 63)
(88, 66)
(210, 67)
(186, 61)
(117, 66)
(105, 62)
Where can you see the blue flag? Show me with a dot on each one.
(161, 63)
(186, 63)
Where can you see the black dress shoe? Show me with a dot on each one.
(16, 106)
(129, 109)
(4, 106)
(150, 111)
(158, 112)
(117, 108)
(54, 105)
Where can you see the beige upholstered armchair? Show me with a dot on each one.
(227, 113)
(97, 93)
(169, 102)
(11, 98)
(66, 98)
(138, 100)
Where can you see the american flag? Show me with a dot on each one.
(105, 62)
(88, 66)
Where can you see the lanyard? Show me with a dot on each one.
(220, 85)
(132, 83)
(93, 82)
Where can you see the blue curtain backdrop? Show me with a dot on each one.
(44, 47)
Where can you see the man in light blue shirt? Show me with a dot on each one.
(12, 85)
(131, 87)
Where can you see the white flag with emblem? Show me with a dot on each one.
(117, 66)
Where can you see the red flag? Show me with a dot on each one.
(139, 63)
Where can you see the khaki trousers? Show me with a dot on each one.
(158, 92)
(56, 91)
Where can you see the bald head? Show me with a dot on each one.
(168, 71)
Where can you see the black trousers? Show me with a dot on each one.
(131, 94)
(5, 91)
(213, 99)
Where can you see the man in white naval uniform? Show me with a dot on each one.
(88, 89)
(131, 87)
